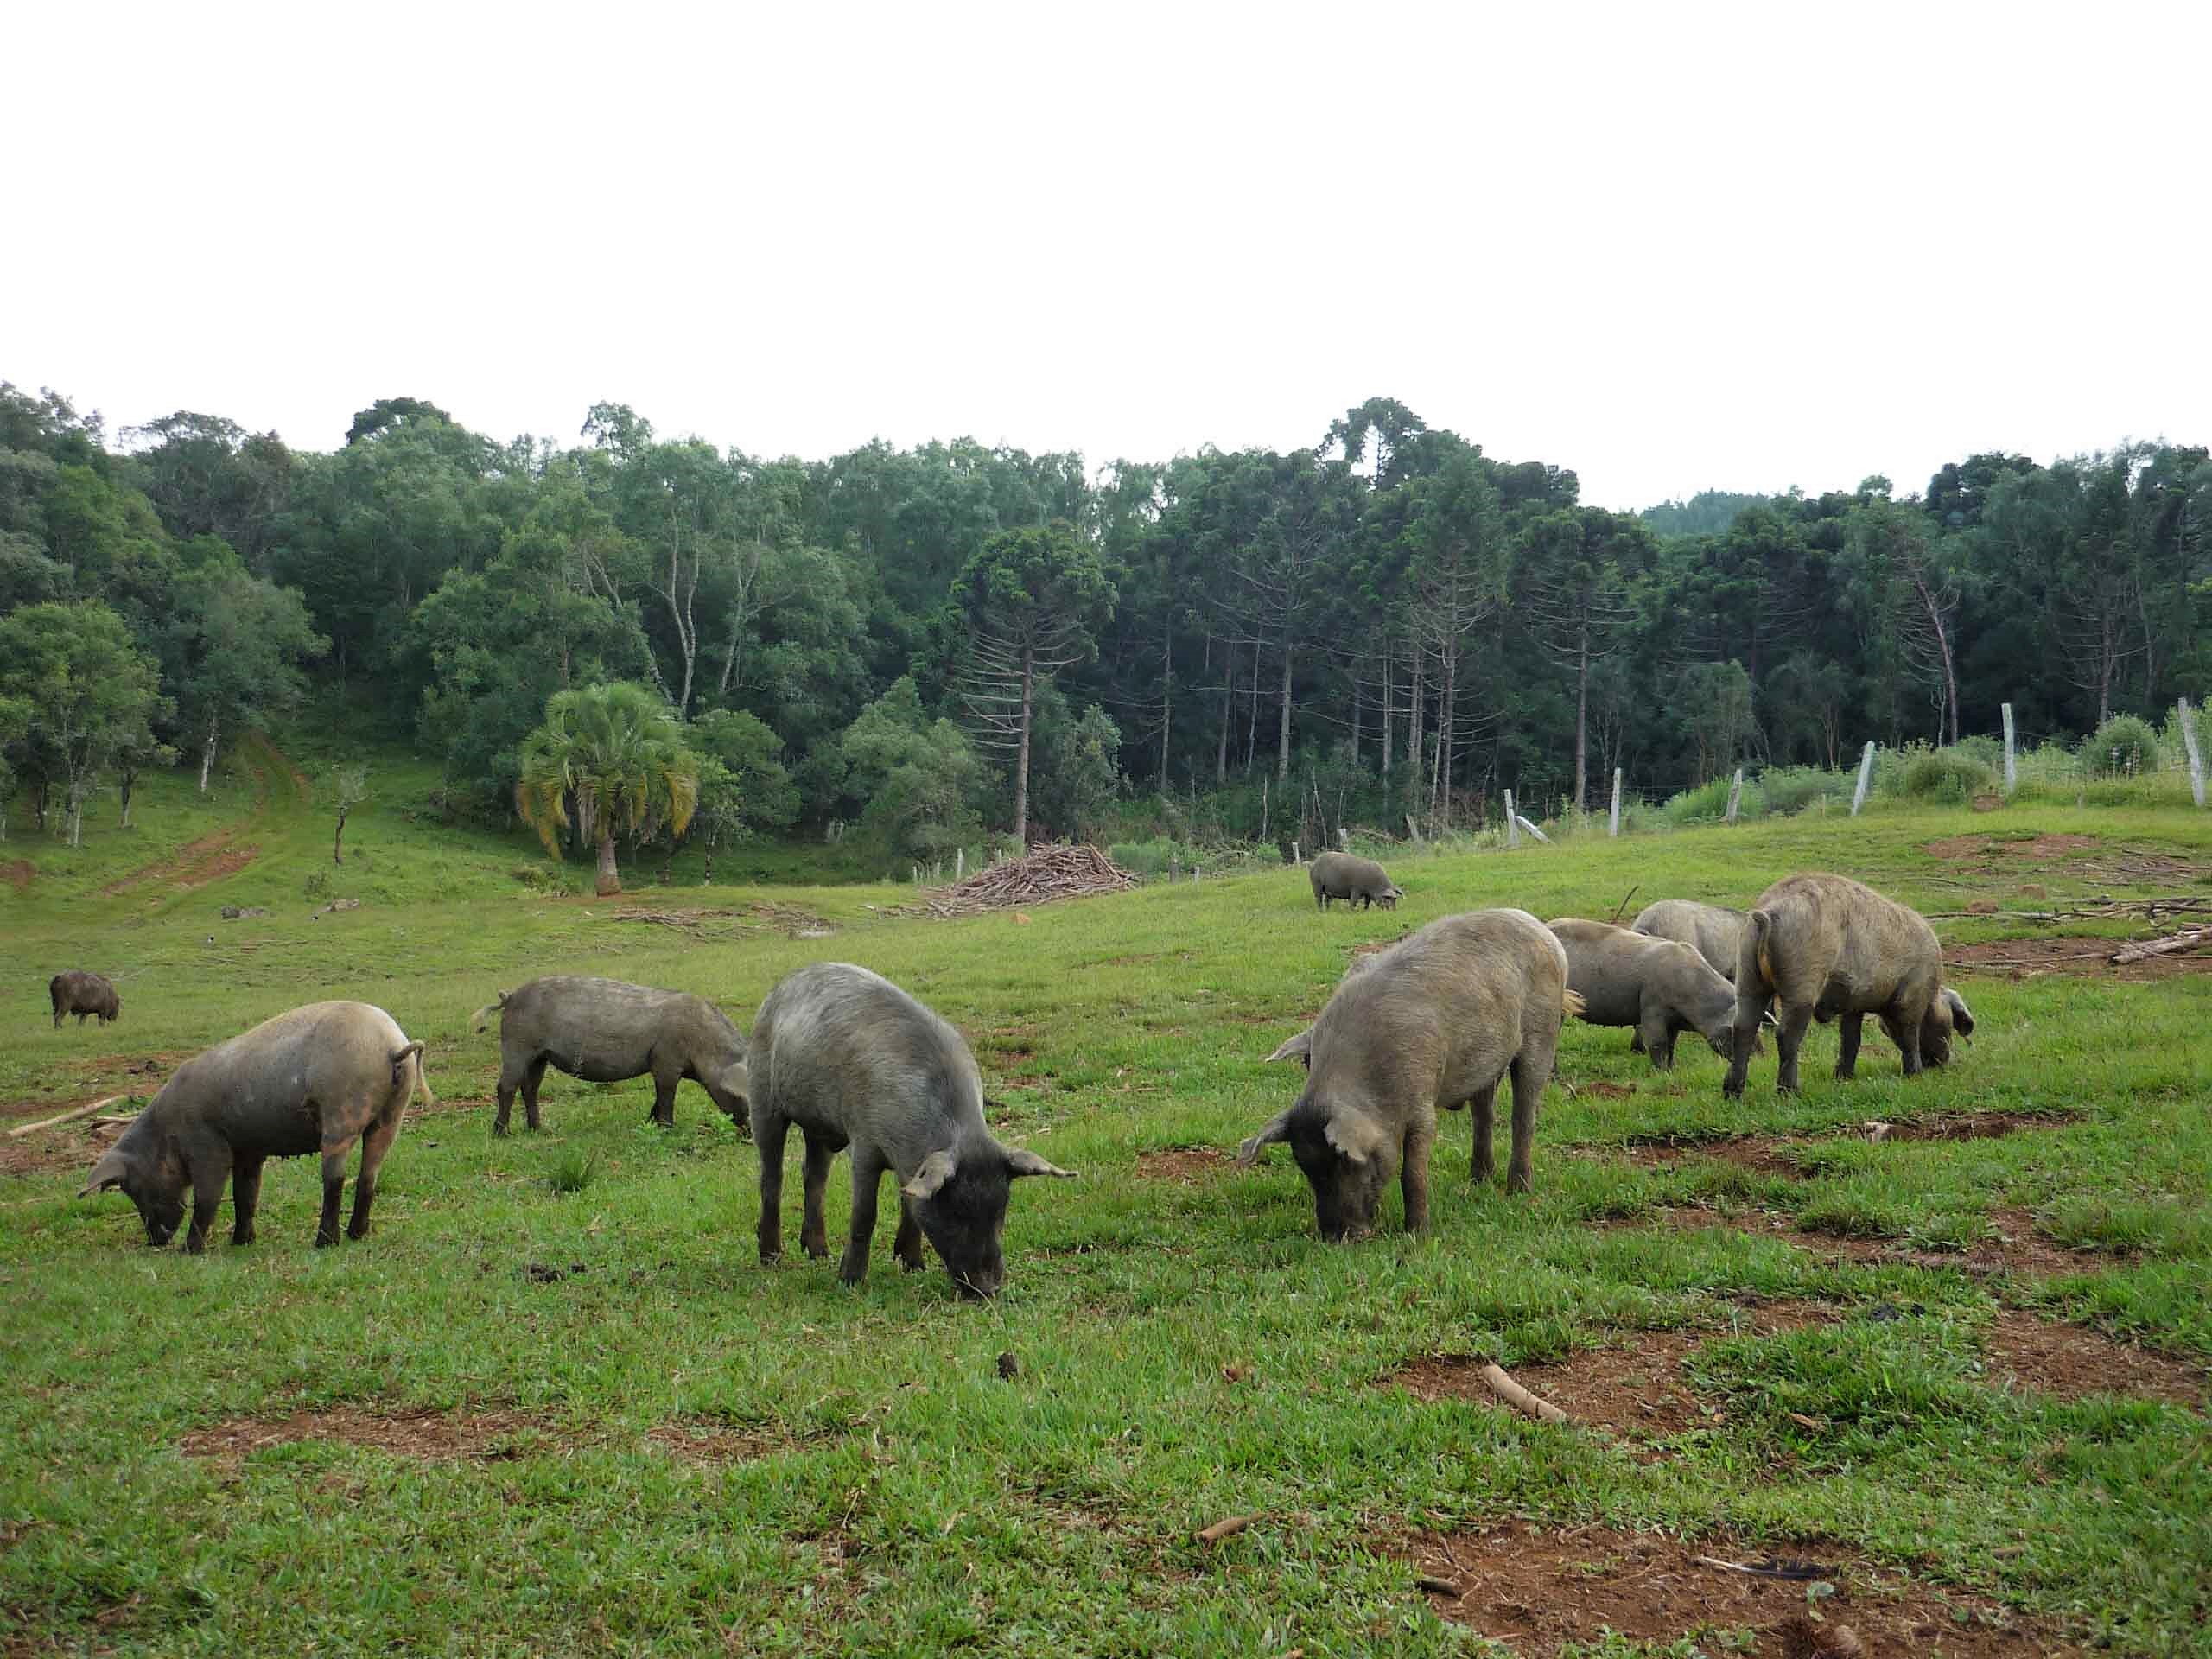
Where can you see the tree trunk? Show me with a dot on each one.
(338, 841)
(1440, 792)
(122, 782)
(1228, 703)
(1389, 657)
(1282, 731)
(1166, 697)
(1413, 731)
(1581, 718)
(610, 880)
(207, 755)
(1252, 716)
(1021, 754)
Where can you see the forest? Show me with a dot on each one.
(933, 643)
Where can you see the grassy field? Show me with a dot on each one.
(554, 1405)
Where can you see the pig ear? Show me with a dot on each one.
(109, 1172)
(1298, 1047)
(1276, 1129)
(937, 1169)
(737, 1080)
(1961, 1018)
(1019, 1163)
(1357, 1136)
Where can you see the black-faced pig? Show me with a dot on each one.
(314, 1080)
(1360, 881)
(605, 1030)
(1831, 949)
(1658, 985)
(853, 1061)
(80, 992)
(1714, 932)
(1436, 1020)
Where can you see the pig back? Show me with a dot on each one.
(268, 1089)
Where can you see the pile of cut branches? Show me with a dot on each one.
(1048, 873)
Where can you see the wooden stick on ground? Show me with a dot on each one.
(2184, 940)
(68, 1116)
(1221, 1529)
(1622, 908)
(1519, 1398)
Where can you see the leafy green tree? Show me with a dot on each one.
(1573, 585)
(919, 777)
(751, 757)
(1079, 766)
(607, 757)
(209, 476)
(235, 653)
(1031, 599)
(92, 694)
(1712, 704)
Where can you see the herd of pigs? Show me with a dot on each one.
(1436, 1019)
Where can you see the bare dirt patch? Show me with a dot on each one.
(1606, 1090)
(194, 864)
(2070, 1361)
(18, 875)
(1763, 1154)
(2013, 1248)
(1635, 1386)
(1978, 1126)
(712, 1443)
(1182, 1165)
(1541, 1589)
(2086, 957)
(69, 1148)
(422, 1433)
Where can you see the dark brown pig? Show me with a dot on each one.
(606, 1031)
(80, 992)
(1832, 949)
(314, 1080)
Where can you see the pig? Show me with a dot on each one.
(856, 1062)
(605, 1030)
(1436, 1020)
(1360, 881)
(80, 992)
(314, 1080)
(1713, 930)
(1658, 985)
(1831, 949)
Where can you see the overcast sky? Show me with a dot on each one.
(1672, 248)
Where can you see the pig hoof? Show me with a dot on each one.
(324, 1241)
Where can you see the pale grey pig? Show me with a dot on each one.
(1358, 880)
(1659, 987)
(1714, 932)
(605, 1030)
(314, 1080)
(853, 1061)
(1435, 1021)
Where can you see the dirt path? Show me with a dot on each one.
(226, 852)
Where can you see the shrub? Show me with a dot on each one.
(1708, 802)
(572, 1172)
(2122, 744)
(1946, 775)
(1792, 789)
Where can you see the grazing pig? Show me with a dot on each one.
(80, 992)
(1360, 881)
(1830, 949)
(1436, 1020)
(1658, 985)
(856, 1062)
(314, 1080)
(605, 1030)
(1713, 930)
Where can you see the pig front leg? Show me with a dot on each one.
(813, 1228)
(664, 1082)
(769, 1129)
(1412, 1174)
(1849, 1029)
(867, 1179)
(245, 1198)
(210, 1170)
(907, 1246)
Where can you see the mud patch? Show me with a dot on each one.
(2070, 1361)
(1978, 1126)
(430, 1435)
(1182, 1165)
(1539, 1590)
(1956, 848)
(1763, 1154)
(1605, 1090)
(2017, 959)
(193, 865)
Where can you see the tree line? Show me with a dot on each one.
(931, 642)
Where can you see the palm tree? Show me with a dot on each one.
(617, 752)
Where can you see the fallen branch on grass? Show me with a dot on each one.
(2187, 939)
(1047, 873)
(1519, 1398)
(1622, 908)
(69, 1116)
(1229, 1529)
(1437, 1586)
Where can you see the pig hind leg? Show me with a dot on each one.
(517, 1071)
(1532, 1070)
(333, 1189)
(814, 1228)
(246, 1199)
(209, 1173)
(1481, 1106)
(1796, 1021)
(377, 1143)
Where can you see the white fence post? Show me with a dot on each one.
(1294, 858)
(1534, 831)
(1344, 838)
(1512, 822)
(1735, 794)
(1615, 828)
(1866, 777)
(2012, 771)
(2195, 754)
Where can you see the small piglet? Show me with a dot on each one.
(853, 1061)
(314, 1080)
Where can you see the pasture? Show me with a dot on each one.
(553, 1404)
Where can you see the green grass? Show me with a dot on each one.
(898, 1494)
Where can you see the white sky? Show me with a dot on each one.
(1671, 247)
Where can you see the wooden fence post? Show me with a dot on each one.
(1512, 822)
(1866, 777)
(2012, 773)
(1735, 794)
(2195, 754)
(1615, 828)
